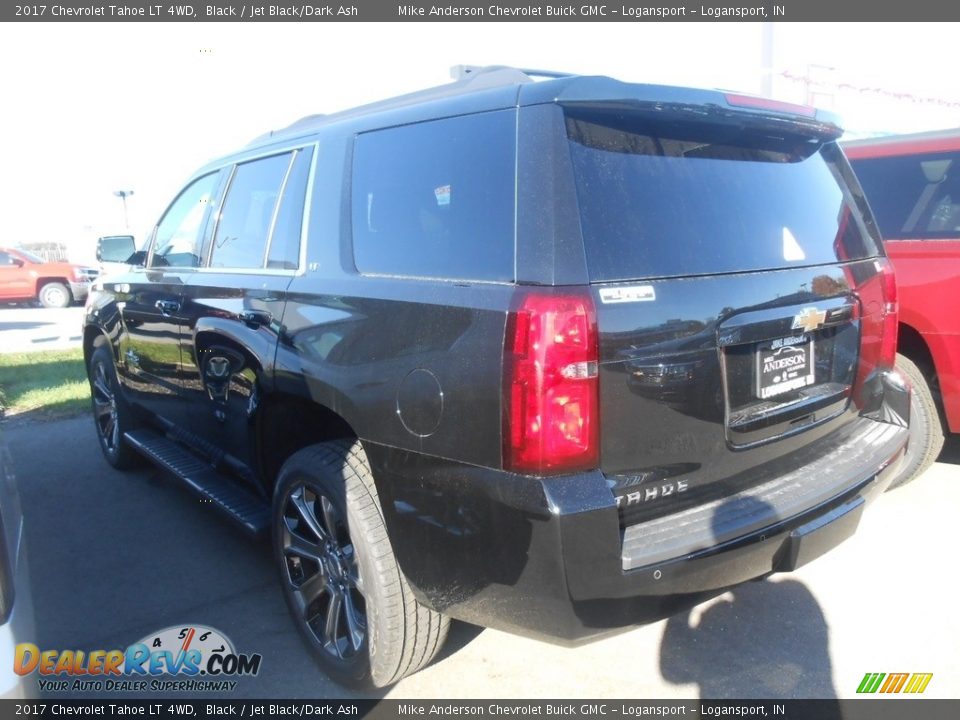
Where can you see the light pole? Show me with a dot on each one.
(123, 195)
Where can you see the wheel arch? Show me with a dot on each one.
(288, 423)
(93, 336)
(44, 280)
(912, 344)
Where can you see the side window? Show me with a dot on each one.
(248, 213)
(5, 259)
(913, 197)
(285, 242)
(436, 199)
(178, 237)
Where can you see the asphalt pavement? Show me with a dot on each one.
(36, 328)
(116, 556)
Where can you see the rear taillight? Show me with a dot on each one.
(551, 405)
(891, 314)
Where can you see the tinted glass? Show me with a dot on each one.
(178, 237)
(694, 199)
(116, 248)
(914, 196)
(285, 245)
(248, 211)
(436, 199)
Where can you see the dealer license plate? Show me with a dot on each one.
(784, 365)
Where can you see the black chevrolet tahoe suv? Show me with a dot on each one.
(556, 357)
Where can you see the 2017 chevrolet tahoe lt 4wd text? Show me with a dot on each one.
(556, 357)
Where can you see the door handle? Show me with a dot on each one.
(167, 307)
(256, 318)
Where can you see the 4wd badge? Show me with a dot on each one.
(809, 319)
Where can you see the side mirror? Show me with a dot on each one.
(138, 259)
(16, 261)
(116, 248)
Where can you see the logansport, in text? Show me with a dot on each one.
(541, 709)
(706, 710)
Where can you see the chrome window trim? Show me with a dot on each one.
(243, 271)
(276, 208)
(150, 245)
(448, 280)
(307, 210)
(218, 211)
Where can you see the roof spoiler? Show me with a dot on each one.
(703, 105)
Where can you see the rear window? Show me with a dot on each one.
(662, 200)
(436, 199)
(914, 196)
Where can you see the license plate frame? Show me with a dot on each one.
(784, 365)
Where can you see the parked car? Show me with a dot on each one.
(913, 185)
(404, 340)
(25, 276)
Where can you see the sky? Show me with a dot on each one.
(90, 108)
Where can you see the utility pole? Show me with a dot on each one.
(766, 59)
(123, 194)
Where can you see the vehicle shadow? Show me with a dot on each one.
(951, 450)
(20, 325)
(461, 634)
(738, 648)
(766, 639)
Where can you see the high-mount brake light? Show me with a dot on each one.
(762, 103)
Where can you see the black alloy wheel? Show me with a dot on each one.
(112, 415)
(322, 572)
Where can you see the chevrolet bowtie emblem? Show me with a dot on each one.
(809, 319)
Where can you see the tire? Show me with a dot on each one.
(55, 295)
(926, 430)
(348, 597)
(112, 415)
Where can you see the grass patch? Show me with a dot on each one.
(48, 384)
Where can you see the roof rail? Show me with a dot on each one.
(460, 72)
(468, 79)
(304, 122)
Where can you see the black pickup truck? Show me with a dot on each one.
(553, 356)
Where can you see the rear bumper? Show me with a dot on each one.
(809, 490)
(547, 558)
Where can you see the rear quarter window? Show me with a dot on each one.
(665, 200)
(913, 196)
(436, 199)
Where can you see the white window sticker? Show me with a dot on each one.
(442, 194)
(634, 293)
(791, 248)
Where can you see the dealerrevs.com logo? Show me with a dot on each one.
(182, 657)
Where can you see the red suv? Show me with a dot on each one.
(913, 185)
